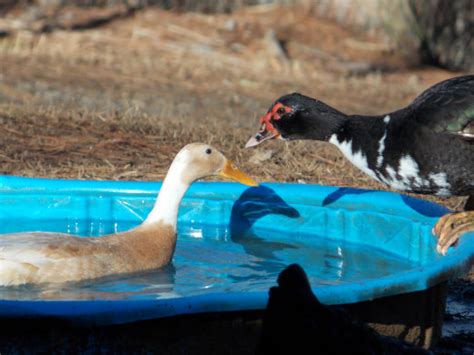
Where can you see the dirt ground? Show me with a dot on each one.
(119, 100)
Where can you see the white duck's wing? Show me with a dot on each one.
(37, 247)
(37, 257)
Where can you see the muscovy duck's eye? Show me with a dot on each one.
(281, 111)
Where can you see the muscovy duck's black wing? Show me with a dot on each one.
(447, 107)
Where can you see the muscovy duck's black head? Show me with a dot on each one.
(296, 116)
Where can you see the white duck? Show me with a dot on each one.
(40, 257)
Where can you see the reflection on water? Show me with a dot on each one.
(213, 262)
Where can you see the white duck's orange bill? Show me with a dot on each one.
(232, 172)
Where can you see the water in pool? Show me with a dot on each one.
(211, 260)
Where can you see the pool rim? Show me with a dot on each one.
(457, 262)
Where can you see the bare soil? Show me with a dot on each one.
(118, 101)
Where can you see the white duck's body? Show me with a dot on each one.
(51, 257)
(39, 257)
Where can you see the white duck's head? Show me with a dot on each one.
(193, 162)
(198, 160)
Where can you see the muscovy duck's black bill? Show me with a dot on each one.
(262, 135)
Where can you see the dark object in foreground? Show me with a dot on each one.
(297, 323)
(412, 316)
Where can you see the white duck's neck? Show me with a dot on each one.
(169, 198)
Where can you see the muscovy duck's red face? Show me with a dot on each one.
(296, 116)
(268, 128)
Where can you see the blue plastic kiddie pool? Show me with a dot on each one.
(356, 246)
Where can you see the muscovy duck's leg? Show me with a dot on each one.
(452, 226)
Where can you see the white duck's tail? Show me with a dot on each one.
(14, 273)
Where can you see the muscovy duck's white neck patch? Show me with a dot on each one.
(407, 177)
(356, 158)
(381, 150)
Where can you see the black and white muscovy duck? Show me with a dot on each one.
(426, 147)
(295, 322)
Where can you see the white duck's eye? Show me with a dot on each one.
(208, 151)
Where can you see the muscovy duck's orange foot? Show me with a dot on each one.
(451, 227)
